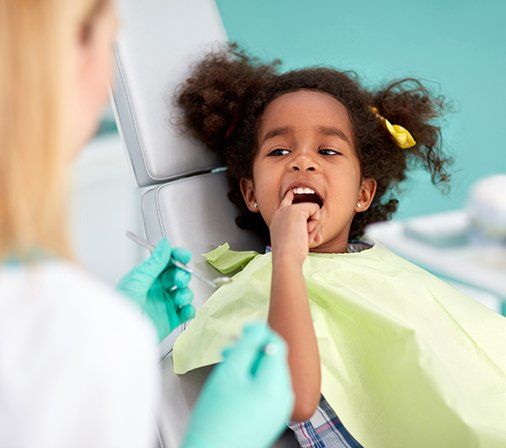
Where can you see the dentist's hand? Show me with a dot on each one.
(294, 228)
(161, 289)
(247, 400)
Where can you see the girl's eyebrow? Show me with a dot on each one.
(275, 132)
(334, 131)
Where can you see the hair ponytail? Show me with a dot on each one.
(409, 103)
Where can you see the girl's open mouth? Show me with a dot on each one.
(307, 195)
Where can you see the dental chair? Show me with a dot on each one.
(184, 185)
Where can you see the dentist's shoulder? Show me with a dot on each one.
(73, 354)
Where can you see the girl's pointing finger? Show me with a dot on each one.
(288, 199)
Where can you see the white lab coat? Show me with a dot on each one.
(78, 364)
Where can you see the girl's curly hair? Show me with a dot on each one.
(224, 98)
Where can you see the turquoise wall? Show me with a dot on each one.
(457, 47)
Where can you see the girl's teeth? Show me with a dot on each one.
(301, 190)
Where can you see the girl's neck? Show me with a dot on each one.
(338, 245)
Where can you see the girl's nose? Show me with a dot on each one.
(303, 163)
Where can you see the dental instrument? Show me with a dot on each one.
(215, 283)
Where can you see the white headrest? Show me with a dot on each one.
(158, 41)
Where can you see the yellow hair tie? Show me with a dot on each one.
(402, 137)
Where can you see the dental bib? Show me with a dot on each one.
(406, 360)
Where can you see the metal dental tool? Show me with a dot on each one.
(215, 283)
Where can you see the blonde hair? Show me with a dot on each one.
(37, 44)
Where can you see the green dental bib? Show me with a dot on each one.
(407, 360)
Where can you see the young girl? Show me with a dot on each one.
(312, 159)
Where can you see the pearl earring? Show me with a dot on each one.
(255, 205)
(359, 205)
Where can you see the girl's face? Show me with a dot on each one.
(305, 140)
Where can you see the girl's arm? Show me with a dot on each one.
(290, 316)
(292, 228)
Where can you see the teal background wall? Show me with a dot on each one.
(457, 47)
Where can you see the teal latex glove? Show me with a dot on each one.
(151, 286)
(248, 399)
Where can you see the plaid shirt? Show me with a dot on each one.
(324, 429)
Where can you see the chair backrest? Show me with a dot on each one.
(158, 43)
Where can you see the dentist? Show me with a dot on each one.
(78, 362)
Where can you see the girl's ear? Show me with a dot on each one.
(248, 193)
(366, 194)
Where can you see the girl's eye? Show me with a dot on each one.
(328, 152)
(278, 152)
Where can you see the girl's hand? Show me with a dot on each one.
(294, 227)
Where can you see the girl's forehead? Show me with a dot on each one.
(306, 109)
